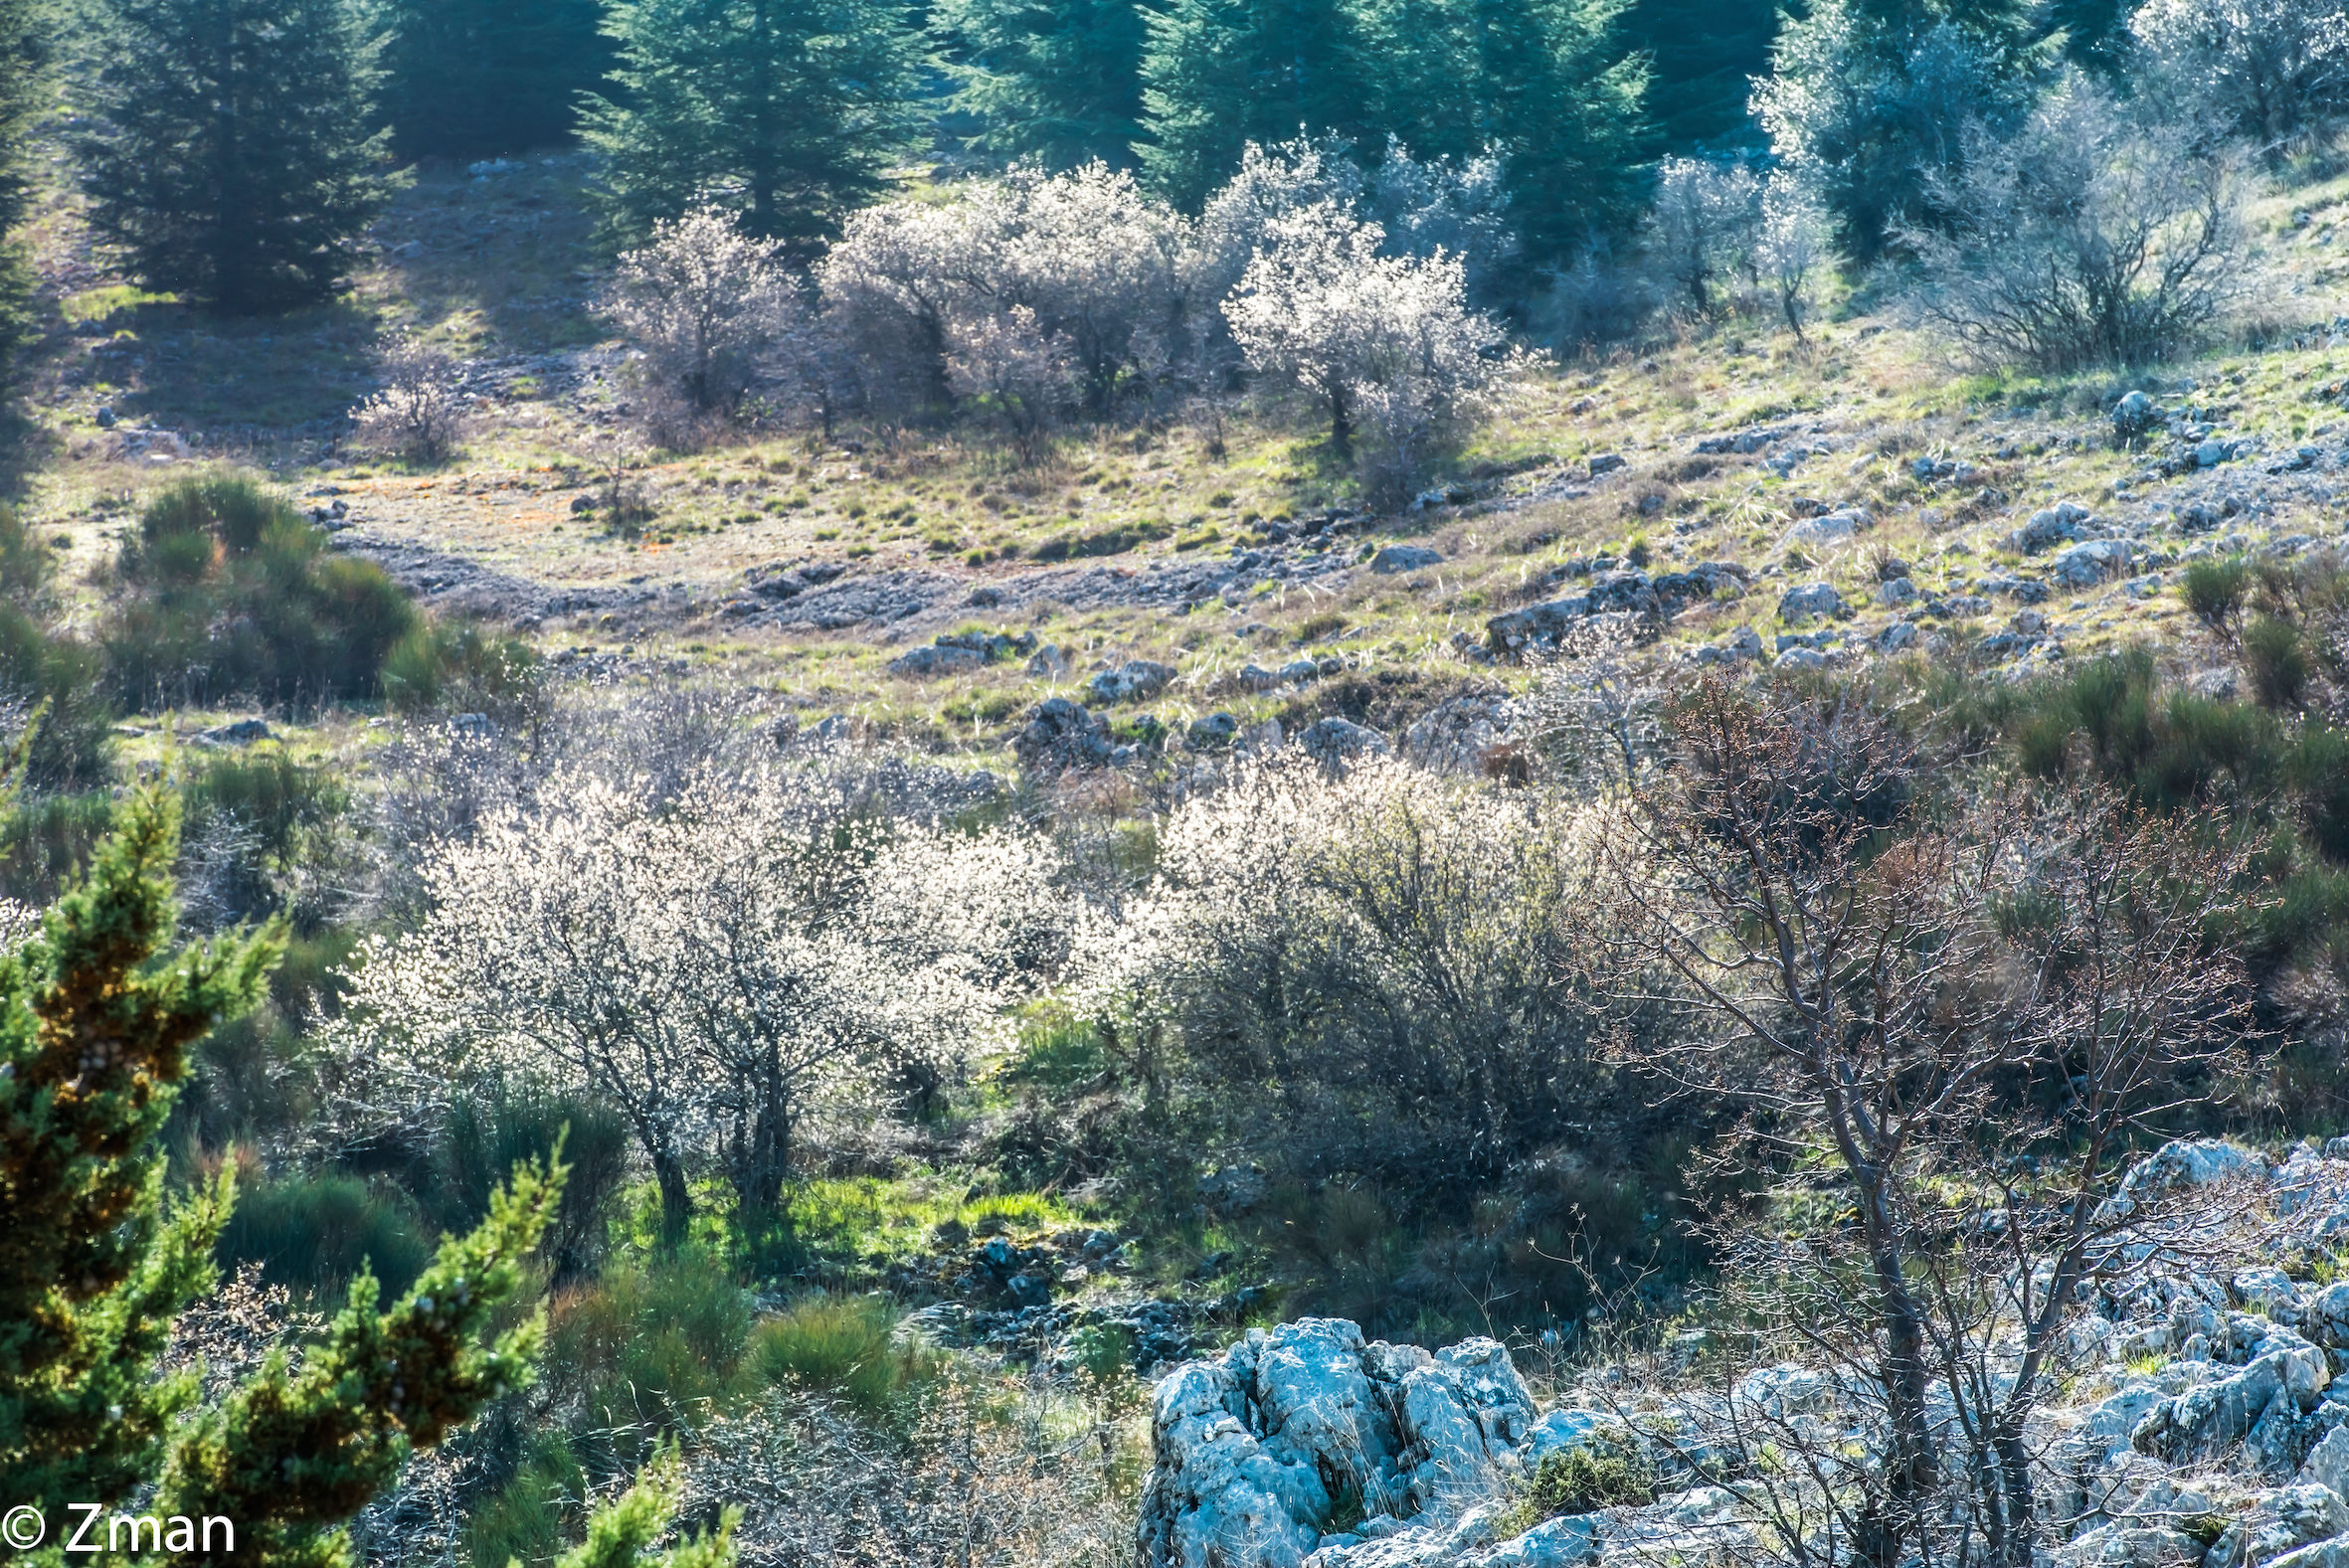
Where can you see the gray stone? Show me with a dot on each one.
(1896, 590)
(1835, 528)
(2092, 562)
(2134, 416)
(1798, 605)
(1133, 681)
(1404, 558)
(925, 663)
(1215, 731)
(1606, 463)
(1899, 636)
(1063, 735)
(1334, 742)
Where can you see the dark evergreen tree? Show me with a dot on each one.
(1706, 55)
(233, 152)
(97, 1013)
(782, 112)
(1219, 73)
(466, 78)
(1563, 103)
(2095, 31)
(1543, 83)
(1055, 79)
(25, 32)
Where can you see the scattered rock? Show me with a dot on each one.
(1798, 605)
(927, 663)
(1061, 735)
(1404, 558)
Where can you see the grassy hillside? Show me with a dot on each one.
(1183, 542)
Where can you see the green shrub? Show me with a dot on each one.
(231, 508)
(2275, 659)
(489, 1131)
(46, 838)
(273, 796)
(1588, 1477)
(73, 748)
(26, 565)
(2215, 589)
(526, 1520)
(458, 668)
(844, 1345)
(651, 1348)
(235, 594)
(315, 1232)
(2319, 776)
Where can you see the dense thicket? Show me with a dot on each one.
(233, 151)
(787, 112)
(464, 80)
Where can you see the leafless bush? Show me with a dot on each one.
(1597, 301)
(704, 304)
(420, 411)
(2092, 236)
(1791, 249)
(1376, 967)
(1386, 344)
(1016, 375)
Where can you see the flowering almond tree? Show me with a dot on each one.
(713, 966)
(1388, 344)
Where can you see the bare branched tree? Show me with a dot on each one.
(1950, 1022)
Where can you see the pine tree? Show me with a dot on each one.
(1565, 105)
(1705, 56)
(784, 113)
(25, 32)
(1055, 79)
(1219, 73)
(467, 80)
(233, 153)
(1545, 82)
(97, 1013)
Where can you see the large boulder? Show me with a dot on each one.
(923, 663)
(1257, 1454)
(2092, 562)
(1336, 742)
